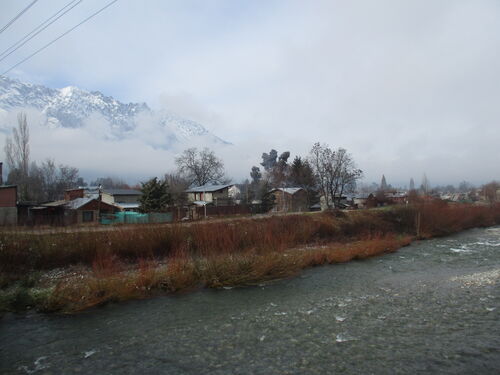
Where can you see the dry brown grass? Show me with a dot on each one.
(183, 274)
(135, 263)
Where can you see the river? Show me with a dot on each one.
(432, 307)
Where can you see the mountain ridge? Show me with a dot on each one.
(72, 107)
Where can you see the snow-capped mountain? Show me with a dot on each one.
(71, 107)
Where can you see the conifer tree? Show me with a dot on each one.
(267, 198)
(383, 184)
(412, 184)
(155, 196)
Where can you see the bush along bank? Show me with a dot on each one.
(71, 271)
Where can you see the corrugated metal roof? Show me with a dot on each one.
(75, 204)
(208, 188)
(289, 190)
(200, 203)
(363, 196)
(55, 204)
(127, 205)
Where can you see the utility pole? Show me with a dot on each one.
(205, 205)
(99, 203)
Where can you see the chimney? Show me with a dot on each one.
(1, 173)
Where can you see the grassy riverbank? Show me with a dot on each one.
(71, 271)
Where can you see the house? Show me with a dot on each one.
(88, 210)
(67, 212)
(82, 192)
(365, 200)
(454, 197)
(218, 195)
(291, 199)
(341, 201)
(397, 197)
(50, 213)
(8, 202)
(71, 194)
(8, 205)
(124, 199)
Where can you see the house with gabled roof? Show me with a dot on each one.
(124, 199)
(290, 199)
(88, 210)
(218, 195)
(365, 200)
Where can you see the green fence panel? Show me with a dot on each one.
(129, 217)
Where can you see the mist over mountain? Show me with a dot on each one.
(71, 107)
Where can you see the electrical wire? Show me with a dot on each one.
(60, 36)
(37, 30)
(16, 17)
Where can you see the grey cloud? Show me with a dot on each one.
(407, 87)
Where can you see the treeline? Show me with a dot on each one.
(194, 168)
(43, 181)
(38, 182)
(325, 172)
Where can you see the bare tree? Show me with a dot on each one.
(321, 159)
(17, 148)
(335, 171)
(68, 177)
(425, 187)
(17, 151)
(35, 183)
(200, 167)
(48, 173)
(177, 186)
(347, 174)
(465, 187)
(110, 183)
(490, 191)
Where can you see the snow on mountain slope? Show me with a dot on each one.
(71, 107)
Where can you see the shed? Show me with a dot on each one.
(88, 209)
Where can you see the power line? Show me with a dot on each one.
(60, 36)
(16, 17)
(37, 30)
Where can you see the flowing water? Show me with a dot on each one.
(432, 307)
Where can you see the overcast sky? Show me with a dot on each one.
(408, 87)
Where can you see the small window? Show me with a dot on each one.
(87, 216)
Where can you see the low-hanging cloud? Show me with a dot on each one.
(407, 87)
